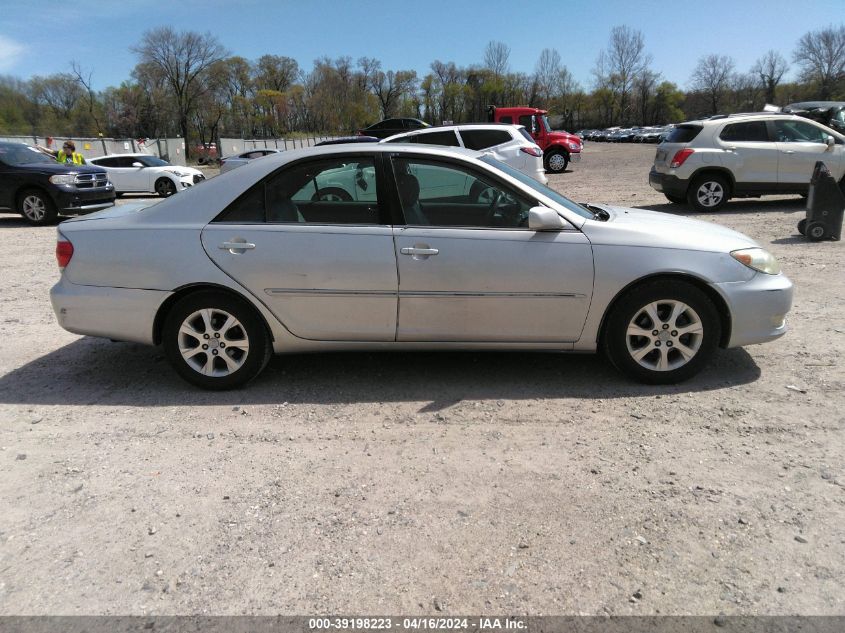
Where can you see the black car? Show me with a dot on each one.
(348, 139)
(40, 189)
(829, 113)
(389, 127)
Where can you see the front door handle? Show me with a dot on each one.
(789, 151)
(236, 248)
(419, 252)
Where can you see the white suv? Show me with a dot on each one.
(510, 144)
(704, 163)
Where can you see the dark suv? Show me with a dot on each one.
(829, 113)
(40, 189)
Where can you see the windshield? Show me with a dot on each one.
(545, 122)
(539, 188)
(153, 161)
(23, 155)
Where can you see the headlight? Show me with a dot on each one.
(575, 146)
(758, 259)
(63, 179)
(180, 174)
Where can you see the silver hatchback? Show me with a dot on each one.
(403, 255)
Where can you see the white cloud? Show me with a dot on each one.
(10, 52)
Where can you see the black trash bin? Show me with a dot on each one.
(825, 206)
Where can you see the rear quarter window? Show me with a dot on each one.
(482, 139)
(683, 133)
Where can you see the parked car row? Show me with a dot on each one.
(653, 134)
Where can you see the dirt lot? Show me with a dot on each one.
(425, 483)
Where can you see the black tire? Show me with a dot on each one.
(249, 328)
(164, 187)
(675, 199)
(37, 207)
(329, 194)
(816, 231)
(708, 192)
(630, 311)
(118, 194)
(802, 226)
(556, 161)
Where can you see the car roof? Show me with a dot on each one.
(458, 127)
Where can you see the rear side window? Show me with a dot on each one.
(447, 138)
(506, 119)
(482, 139)
(753, 131)
(683, 133)
(526, 135)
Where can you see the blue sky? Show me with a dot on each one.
(41, 37)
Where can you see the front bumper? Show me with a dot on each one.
(667, 183)
(758, 308)
(575, 157)
(72, 201)
(121, 314)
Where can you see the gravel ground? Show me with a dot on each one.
(425, 483)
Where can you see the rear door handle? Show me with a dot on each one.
(413, 250)
(234, 247)
(789, 151)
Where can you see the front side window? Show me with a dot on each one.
(749, 131)
(338, 190)
(23, 155)
(151, 161)
(443, 194)
(799, 132)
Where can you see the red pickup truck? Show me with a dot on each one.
(559, 148)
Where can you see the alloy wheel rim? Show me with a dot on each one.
(165, 188)
(330, 197)
(213, 342)
(710, 194)
(664, 335)
(557, 162)
(34, 208)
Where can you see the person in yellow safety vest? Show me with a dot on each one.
(67, 154)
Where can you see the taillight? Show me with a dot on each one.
(680, 157)
(64, 251)
(534, 151)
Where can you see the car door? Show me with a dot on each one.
(751, 155)
(472, 271)
(801, 144)
(325, 268)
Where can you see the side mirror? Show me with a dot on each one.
(830, 142)
(136, 164)
(544, 219)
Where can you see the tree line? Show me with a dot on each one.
(188, 84)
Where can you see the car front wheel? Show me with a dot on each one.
(215, 341)
(556, 162)
(37, 208)
(164, 187)
(662, 332)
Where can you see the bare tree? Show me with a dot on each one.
(390, 86)
(821, 57)
(59, 92)
(770, 68)
(496, 57)
(625, 59)
(91, 97)
(274, 72)
(547, 73)
(712, 76)
(181, 58)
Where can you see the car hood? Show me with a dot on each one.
(563, 137)
(58, 168)
(653, 229)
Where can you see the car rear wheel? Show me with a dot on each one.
(675, 199)
(708, 193)
(215, 341)
(662, 332)
(165, 187)
(37, 208)
(556, 162)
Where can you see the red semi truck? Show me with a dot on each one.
(559, 148)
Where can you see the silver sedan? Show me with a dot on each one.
(402, 255)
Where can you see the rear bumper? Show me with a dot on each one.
(758, 308)
(117, 313)
(667, 183)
